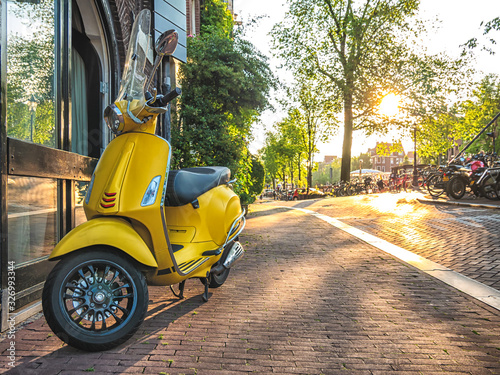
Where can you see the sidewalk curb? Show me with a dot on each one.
(454, 203)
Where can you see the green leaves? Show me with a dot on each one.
(225, 83)
(360, 51)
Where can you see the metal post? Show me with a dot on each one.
(31, 126)
(415, 172)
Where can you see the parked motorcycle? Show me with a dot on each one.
(476, 176)
(146, 225)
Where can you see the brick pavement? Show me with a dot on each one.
(464, 239)
(307, 298)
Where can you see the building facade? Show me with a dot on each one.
(61, 64)
(384, 163)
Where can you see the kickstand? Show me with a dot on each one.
(204, 281)
(181, 290)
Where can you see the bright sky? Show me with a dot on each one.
(460, 21)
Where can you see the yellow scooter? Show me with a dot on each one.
(146, 224)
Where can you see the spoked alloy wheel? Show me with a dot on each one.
(456, 187)
(436, 185)
(95, 300)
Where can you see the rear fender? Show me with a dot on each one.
(106, 231)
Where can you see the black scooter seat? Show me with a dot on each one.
(186, 185)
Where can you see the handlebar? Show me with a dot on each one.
(170, 96)
(163, 100)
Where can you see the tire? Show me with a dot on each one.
(435, 185)
(491, 189)
(215, 281)
(95, 300)
(456, 188)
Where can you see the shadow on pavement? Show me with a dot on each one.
(160, 314)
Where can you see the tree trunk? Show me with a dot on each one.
(309, 174)
(298, 165)
(345, 171)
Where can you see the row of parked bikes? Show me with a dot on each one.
(367, 185)
(478, 175)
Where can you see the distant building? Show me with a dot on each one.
(229, 5)
(411, 156)
(193, 17)
(329, 159)
(384, 163)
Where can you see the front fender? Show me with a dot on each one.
(106, 231)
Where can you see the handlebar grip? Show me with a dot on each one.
(170, 96)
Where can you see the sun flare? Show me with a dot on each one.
(389, 105)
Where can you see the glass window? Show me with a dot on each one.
(30, 71)
(80, 191)
(79, 115)
(32, 214)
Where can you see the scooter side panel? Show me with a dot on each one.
(104, 231)
(219, 207)
(124, 172)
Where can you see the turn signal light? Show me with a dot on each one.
(108, 198)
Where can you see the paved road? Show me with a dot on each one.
(307, 298)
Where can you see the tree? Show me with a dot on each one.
(30, 68)
(322, 175)
(215, 18)
(257, 177)
(438, 134)
(360, 51)
(365, 160)
(291, 148)
(488, 27)
(314, 119)
(299, 133)
(225, 85)
(478, 112)
(270, 155)
(282, 153)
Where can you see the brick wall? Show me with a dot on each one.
(193, 29)
(124, 12)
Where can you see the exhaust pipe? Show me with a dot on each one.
(233, 254)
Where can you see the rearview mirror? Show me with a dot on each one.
(167, 43)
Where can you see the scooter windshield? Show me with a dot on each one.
(134, 79)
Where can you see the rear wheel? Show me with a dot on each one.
(215, 281)
(435, 185)
(95, 300)
(456, 187)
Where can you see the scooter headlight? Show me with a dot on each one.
(114, 118)
(150, 195)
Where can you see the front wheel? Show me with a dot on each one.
(436, 185)
(95, 300)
